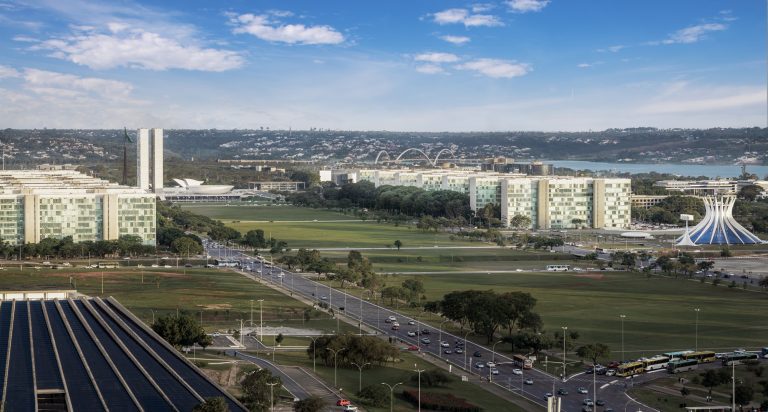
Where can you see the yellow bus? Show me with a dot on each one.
(701, 356)
(630, 369)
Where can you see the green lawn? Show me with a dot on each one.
(222, 296)
(392, 373)
(354, 234)
(659, 312)
(264, 213)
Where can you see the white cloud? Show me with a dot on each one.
(436, 57)
(61, 84)
(525, 6)
(588, 65)
(481, 7)
(613, 49)
(496, 68)
(693, 34)
(25, 39)
(430, 69)
(457, 40)
(463, 16)
(709, 101)
(6, 71)
(262, 27)
(123, 46)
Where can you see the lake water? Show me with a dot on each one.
(712, 171)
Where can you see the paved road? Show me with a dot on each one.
(610, 389)
(289, 383)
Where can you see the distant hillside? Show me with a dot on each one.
(25, 148)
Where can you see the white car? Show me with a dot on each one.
(445, 344)
(411, 333)
(491, 364)
(391, 318)
(494, 371)
(517, 371)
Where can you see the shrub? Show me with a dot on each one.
(374, 395)
(440, 401)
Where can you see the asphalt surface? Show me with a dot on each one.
(463, 353)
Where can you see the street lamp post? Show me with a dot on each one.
(440, 353)
(360, 375)
(272, 395)
(419, 371)
(314, 355)
(622, 336)
(466, 348)
(335, 363)
(391, 393)
(697, 328)
(251, 312)
(261, 320)
(493, 359)
(565, 329)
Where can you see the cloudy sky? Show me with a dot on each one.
(407, 65)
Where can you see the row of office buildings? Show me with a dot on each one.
(549, 202)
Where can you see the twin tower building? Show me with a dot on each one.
(149, 158)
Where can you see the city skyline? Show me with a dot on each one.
(448, 66)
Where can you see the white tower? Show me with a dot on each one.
(149, 173)
(157, 160)
(142, 159)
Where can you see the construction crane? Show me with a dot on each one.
(126, 139)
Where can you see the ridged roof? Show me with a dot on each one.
(91, 354)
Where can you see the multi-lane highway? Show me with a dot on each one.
(455, 350)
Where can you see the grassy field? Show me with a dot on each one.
(223, 297)
(659, 312)
(355, 234)
(264, 213)
(347, 379)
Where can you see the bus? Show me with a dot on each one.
(701, 356)
(522, 361)
(655, 363)
(677, 366)
(558, 268)
(630, 369)
(677, 355)
(738, 358)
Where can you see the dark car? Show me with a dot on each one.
(477, 354)
(600, 402)
(425, 332)
(562, 392)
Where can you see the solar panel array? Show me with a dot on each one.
(92, 354)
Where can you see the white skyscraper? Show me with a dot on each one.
(157, 160)
(142, 159)
(149, 145)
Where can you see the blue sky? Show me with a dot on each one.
(411, 65)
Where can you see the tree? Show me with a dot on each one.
(375, 395)
(186, 245)
(180, 330)
(725, 252)
(744, 394)
(593, 351)
(710, 379)
(432, 377)
(750, 192)
(413, 288)
(520, 222)
(312, 404)
(705, 265)
(684, 392)
(217, 404)
(398, 244)
(279, 339)
(255, 239)
(255, 386)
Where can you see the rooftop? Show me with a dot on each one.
(92, 354)
(57, 182)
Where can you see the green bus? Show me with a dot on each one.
(738, 358)
(683, 365)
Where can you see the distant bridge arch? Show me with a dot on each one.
(413, 149)
(383, 152)
(449, 151)
(432, 162)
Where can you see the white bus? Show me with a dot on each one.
(558, 268)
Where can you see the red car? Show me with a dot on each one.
(343, 402)
(413, 347)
